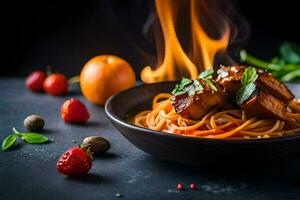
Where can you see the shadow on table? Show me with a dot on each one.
(107, 155)
(286, 172)
(74, 90)
(48, 131)
(90, 124)
(16, 147)
(90, 178)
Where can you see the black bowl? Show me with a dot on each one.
(195, 151)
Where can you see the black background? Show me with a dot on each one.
(66, 34)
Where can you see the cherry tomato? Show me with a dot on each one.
(34, 80)
(56, 84)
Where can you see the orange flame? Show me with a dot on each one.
(176, 63)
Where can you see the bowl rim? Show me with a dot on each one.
(114, 117)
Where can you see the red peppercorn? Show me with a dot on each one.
(193, 186)
(34, 81)
(179, 186)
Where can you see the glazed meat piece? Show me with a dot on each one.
(275, 87)
(264, 105)
(197, 105)
(230, 79)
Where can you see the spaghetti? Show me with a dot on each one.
(216, 124)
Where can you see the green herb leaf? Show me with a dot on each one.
(245, 93)
(211, 85)
(175, 90)
(185, 81)
(290, 52)
(285, 66)
(198, 85)
(17, 133)
(206, 74)
(278, 61)
(191, 91)
(8, 142)
(290, 76)
(249, 76)
(246, 57)
(34, 138)
(180, 88)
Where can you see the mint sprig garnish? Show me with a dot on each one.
(207, 76)
(193, 86)
(211, 85)
(198, 86)
(248, 81)
(32, 138)
(249, 76)
(180, 88)
(189, 86)
(245, 93)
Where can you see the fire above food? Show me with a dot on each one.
(237, 102)
(209, 34)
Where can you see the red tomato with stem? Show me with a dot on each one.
(56, 84)
(34, 80)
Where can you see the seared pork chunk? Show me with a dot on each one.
(230, 79)
(275, 87)
(264, 105)
(196, 105)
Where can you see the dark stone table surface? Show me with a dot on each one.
(28, 171)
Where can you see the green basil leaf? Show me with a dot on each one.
(34, 138)
(184, 82)
(245, 93)
(198, 85)
(174, 91)
(180, 88)
(211, 85)
(249, 76)
(8, 142)
(206, 74)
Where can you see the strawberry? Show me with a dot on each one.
(73, 111)
(74, 162)
(34, 80)
(56, 84)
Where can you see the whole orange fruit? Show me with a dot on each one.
(104, 76)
